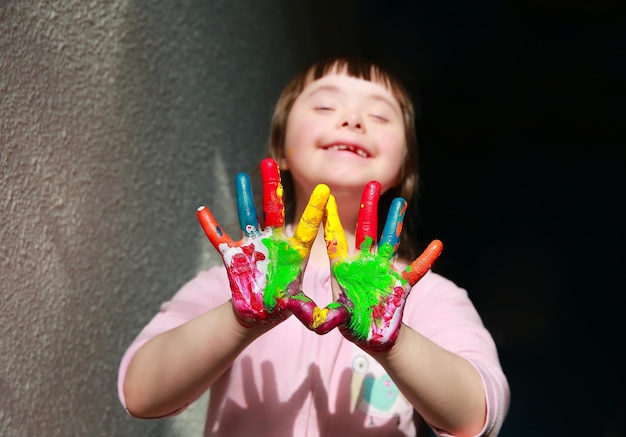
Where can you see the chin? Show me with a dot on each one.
(346, 186)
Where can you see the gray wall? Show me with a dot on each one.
(118, 119)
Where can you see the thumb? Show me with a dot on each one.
(334, 235)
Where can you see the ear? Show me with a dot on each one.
(282, 164)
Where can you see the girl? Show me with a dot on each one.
(409, 360)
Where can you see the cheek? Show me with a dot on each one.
(301, 138)
(395, 148)
(291, 138)
(396, 156)
(289, 151)
(294, 153)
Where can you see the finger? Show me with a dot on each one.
(334, 235)
(313, 214)
(212, 229)
(390, 238)
(315, 318)
(248, 219)
(418, 268)
(273, 206)
(367, 224)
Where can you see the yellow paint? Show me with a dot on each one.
(336, 243)
(319, 316)
(279, 186)
(313, 214)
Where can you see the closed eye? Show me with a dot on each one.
(380, 118)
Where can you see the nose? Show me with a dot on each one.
(352, 120)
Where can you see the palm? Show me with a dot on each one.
(263, 272)
(375, 293)
(371, 289)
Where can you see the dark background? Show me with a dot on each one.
(521, 132)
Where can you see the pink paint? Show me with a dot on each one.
(243, 274)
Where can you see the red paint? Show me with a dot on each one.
(423, 263)
(367, 224)
(273, 205)
(211, 228)
(243, 272)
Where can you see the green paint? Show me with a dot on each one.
(333, 305)
(283, 268)
(302, 297)
(366, 280)
(386, 251)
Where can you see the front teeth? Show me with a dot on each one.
(359, 152)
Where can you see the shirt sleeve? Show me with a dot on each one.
(444, 313)
(207, 290)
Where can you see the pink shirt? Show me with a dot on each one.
(293, 382)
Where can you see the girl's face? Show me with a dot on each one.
(344, 132)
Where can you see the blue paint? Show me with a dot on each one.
(381, 393)
(390, 233)
(248, 219)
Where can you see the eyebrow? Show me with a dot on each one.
(374, 96)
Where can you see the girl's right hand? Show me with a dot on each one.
(265, 267)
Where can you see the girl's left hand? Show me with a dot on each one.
(370, 288)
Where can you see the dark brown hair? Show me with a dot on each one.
(367, 70)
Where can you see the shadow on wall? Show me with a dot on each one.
(197, 105)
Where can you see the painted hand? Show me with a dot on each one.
(265, 267)
(371, 289)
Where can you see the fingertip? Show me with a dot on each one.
(435, 246)
(211, 228)
(320, 195)
(318, 200)
(373, 188)
(418, 268)
(242, 181)
(331, 203)
(204, 215)
(269, 168)
(398, 207)
(268, 163)
(322, 190)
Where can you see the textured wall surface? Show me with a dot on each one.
(118, 119)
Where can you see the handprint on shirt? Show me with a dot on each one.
(265, 267)
(372, 292)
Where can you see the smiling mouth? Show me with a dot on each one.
(348, 148)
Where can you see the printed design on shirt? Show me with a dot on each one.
(373, 391)
(360, 364)
(381, 393)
